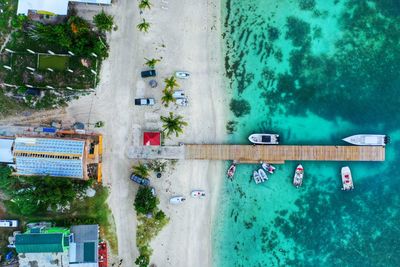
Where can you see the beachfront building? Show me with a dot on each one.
(50, 157)
(51, 7)
(48, 247)
(84, 250)
(74, 156)
(151, 138)
(42, 246)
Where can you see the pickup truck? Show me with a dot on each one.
(140, 180)
(144, 101)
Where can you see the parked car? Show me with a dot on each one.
(140, 180)
(8, 223)
(144, 101)
(148, 73)
(178, 94)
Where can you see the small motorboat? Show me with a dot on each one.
(263, 175)
(198, 194)
(347, 180)
(177, 200)
(257, 177)
(298, 176)
(268, 167)
(182, 74)
(231, 171)
(182, 101)
(367, 139)
(264, 139)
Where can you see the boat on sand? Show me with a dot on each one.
(268, 167)
(231, 171)
(264, 139)
(198, 194)
(257, 177)
(263, 175)
(347, 179)
(298, 176)
(177, 200)
(367, 139)
(182, 74)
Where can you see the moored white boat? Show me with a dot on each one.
(268, 167)
(298, 176)
(177, 200)
(198, 194)
(231, 171)
(367, 139)
(263, 175)
(347, 179)
(257, 177)
(264, 139)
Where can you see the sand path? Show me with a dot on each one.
(186, 36)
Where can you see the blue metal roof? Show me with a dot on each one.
(6, 155)
(49, 166)
(49, 145)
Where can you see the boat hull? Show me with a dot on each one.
(298, 176)
(256, 177)
(263, 175)
(264, 139)
(347, 179)
(367, 139)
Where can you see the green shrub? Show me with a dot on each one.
(103, 21)
(145, 202)
(142, 260)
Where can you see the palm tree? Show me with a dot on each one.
(144, 4)
(173, 124)
(141, 170)
(151, 63)
(167, 97)
(143, 26)
(170, 82)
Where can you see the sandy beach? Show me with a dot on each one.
(186, 35)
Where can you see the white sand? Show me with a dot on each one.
(186, 35)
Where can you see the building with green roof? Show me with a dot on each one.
(41, 240)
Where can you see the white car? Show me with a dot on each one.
(178, 94)
(177, 200)
(182, 101)
(182, 74)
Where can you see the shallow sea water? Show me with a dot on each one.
(314, 72)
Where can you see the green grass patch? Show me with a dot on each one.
(53, 62)
(9, 106)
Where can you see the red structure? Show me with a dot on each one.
(103, 261)
(151, 138)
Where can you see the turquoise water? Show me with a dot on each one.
(314, 72)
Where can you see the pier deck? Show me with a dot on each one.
(269, 153)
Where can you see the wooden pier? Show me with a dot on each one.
(277, 154)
